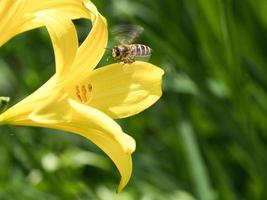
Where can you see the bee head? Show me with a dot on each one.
(116, 52)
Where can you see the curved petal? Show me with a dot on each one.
(63, 36)
(106, 134)
(93, 47)
(18, 16)
(85, 116)
(72, 8)
(121, 90)
(10, 17)
(88, 122)
(54, 110)
(19, 112)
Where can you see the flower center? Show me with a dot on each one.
(83, 92)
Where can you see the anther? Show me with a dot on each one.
(78, 93)
(90, 87)
(83, 92)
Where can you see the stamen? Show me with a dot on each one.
(90, 87)
(78, 93)
(83, 92)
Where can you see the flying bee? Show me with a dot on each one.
(126, 52)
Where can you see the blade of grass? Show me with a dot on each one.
(196, 164)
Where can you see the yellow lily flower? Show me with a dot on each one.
(83, 100)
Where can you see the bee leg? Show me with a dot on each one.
(129, 60)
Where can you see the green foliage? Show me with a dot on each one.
(205, 139)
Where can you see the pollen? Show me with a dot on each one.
(84, 92)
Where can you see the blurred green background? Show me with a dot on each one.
(205, 139)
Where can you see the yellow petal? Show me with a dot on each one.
(64, 38)
(92, 124)
(89, 116)
(74, 9)
(10, 17)
(52, 109)
(17, 16)
(19, 113)
(55, 109)
(92, 49)
(107, 135)
(121, 90)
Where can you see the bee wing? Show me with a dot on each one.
(126, 33)
(142, 58)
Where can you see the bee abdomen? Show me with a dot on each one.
(141, 50)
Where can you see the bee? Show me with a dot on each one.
(126, 52)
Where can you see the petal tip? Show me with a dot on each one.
(125, 176)
(129, 142)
